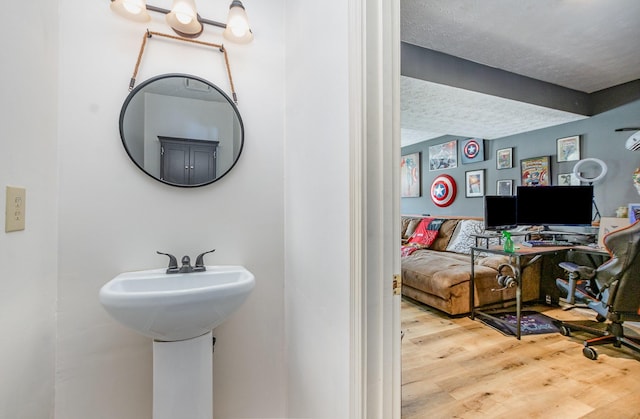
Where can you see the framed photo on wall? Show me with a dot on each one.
(634, 213)
(504, 187)
(504, 158)
(471, 150)
(443, 156)
(474, 183)
(568, 179)
(410, 175)
(535, 171)
(568, 148)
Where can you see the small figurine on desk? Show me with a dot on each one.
(508, 242)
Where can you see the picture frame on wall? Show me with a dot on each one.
(568, 179)
(410, 178)
(474, 183)
(504, 158)
(504, 187)
(535, 171)
(568, 148)
(443, 156)
(634, 213)
(471, 150)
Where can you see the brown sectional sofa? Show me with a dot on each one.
(439, 276)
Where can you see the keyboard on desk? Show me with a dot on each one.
(546, 243)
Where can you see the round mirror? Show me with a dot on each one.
(181, 130)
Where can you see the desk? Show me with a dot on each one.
(519, 259)
(487, 236)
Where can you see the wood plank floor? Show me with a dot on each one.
(461, 368)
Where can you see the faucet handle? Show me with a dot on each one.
(200, 260)
(173, 262)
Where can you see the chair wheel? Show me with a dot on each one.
(600, 318)
(590, 353)
(565, 331)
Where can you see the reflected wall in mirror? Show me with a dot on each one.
(181, 130)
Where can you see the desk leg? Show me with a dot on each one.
(472, 286)
(518, 299)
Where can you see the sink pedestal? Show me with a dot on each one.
(183, 378)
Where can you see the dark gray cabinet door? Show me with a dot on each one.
(203, 163)
(187, 161)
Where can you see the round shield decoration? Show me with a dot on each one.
(443, 190)
(471, 149)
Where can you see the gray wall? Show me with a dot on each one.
(598, 139)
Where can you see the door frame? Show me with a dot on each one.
(374, 75)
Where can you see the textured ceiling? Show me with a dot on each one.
(586, 45)
(469, 114)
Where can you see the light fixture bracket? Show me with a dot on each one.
(203, 21)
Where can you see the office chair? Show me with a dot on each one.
(613, 291)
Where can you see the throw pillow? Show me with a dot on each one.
(463, 237)
(411, 227)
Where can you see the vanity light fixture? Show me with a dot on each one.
(185, 20)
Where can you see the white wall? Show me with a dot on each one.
(317, 209)
(113, 217)
(28, 258)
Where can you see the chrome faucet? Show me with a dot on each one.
(186, 263)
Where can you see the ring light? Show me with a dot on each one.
(633, 142)
(603, 170)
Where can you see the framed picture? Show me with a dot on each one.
(472, 150)
(568, 179)
(568, 148)
(535, 171)
(410, 175)
(474, 183)
(504, 187)
(443, 156)
(634, 213)
(504, 158)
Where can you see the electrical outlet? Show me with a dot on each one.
(15, 209)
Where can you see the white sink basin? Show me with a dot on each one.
(172, 307)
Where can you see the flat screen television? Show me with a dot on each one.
(499, 212)
(555, 205)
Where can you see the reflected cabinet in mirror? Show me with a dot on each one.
(181, 130)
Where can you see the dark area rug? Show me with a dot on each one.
(532, 323)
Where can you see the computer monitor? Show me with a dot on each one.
(555, 205)
(499, 212)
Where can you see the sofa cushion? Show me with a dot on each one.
(435, 272)
(439, 273)
(409, 226)
(404, 222)
(492, 262)
(444, 235)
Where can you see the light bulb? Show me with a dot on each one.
(183, 18)
(132, 7)
(237, 24)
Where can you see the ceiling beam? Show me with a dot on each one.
(441, 68)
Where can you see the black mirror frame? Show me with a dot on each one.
(131, 95)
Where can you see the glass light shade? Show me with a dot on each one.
(131, 9)
(183, 17)
(237, 29)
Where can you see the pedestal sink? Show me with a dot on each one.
(178, 311)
